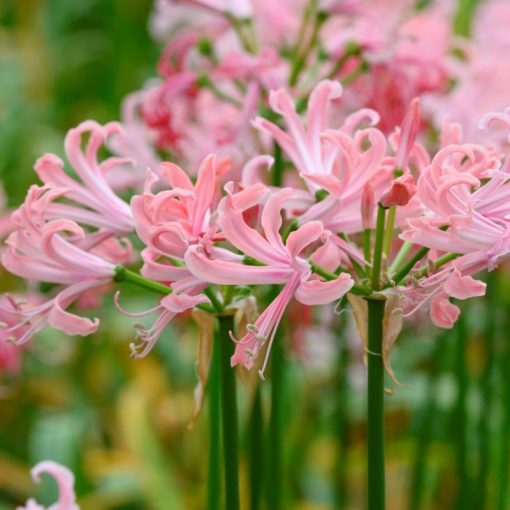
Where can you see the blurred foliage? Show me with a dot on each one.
(62, 62)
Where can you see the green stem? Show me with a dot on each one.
(348, 79)
(229, 413)
(213, 388)
(277, 165)
(351, 50)
(460, 416)
(388, 233)
(400, 257)
(378, 248)
(375, 406)
(342, 424)
(487, 391)
(276, 438)
(504, 437)
(441, 261)
(256, 451)
(402, 273)
(217, 304)
(425, 419)
(367, 245)
(124, 274)
(301, 58)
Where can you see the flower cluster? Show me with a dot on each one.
(298, 162)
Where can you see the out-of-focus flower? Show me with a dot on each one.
(65, 482)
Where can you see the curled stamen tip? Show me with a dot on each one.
(261, 375)
(3, 325)
(251, 328)
(12, 340)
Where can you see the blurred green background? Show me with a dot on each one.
(61, 62)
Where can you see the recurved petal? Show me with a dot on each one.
(443, 313)
(318, 292)
(463, 287)
(303, 236)
(224, 272)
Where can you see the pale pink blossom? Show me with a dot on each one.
(464, 214)
(65, 482)
(55, 251)
(90, 198)
(169, 222)
(454, 280)
(10, 354)
(284, 263)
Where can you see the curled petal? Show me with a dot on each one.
(224, 272)
(317, 292)
(463, 287)
(303, 237)
(443, 313)
(179, 303)
(65, 482)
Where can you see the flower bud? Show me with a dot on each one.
(401, 191)
(367, 207)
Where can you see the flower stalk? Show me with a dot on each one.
(229, 412)
(375, 406)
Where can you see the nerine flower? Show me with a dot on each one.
(54, 251)
(466, 192)
(168, 222)
(65, 482)
(90, 199)
(284, 263)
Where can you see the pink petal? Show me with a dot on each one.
(463, 287)
(271, 219)
(317, 292)
(245, 238)
(175, 175)
(67, 322)
(303, 236)
(65, 482)
(443, 313)
(230, 273)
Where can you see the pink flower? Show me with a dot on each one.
(285, 263)
(454, 280)
(10, 354)
(464, 215)
(56, 251)
(238, 8)
(341, 161)
(65, 482)
(169, 222)
(93, 202)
